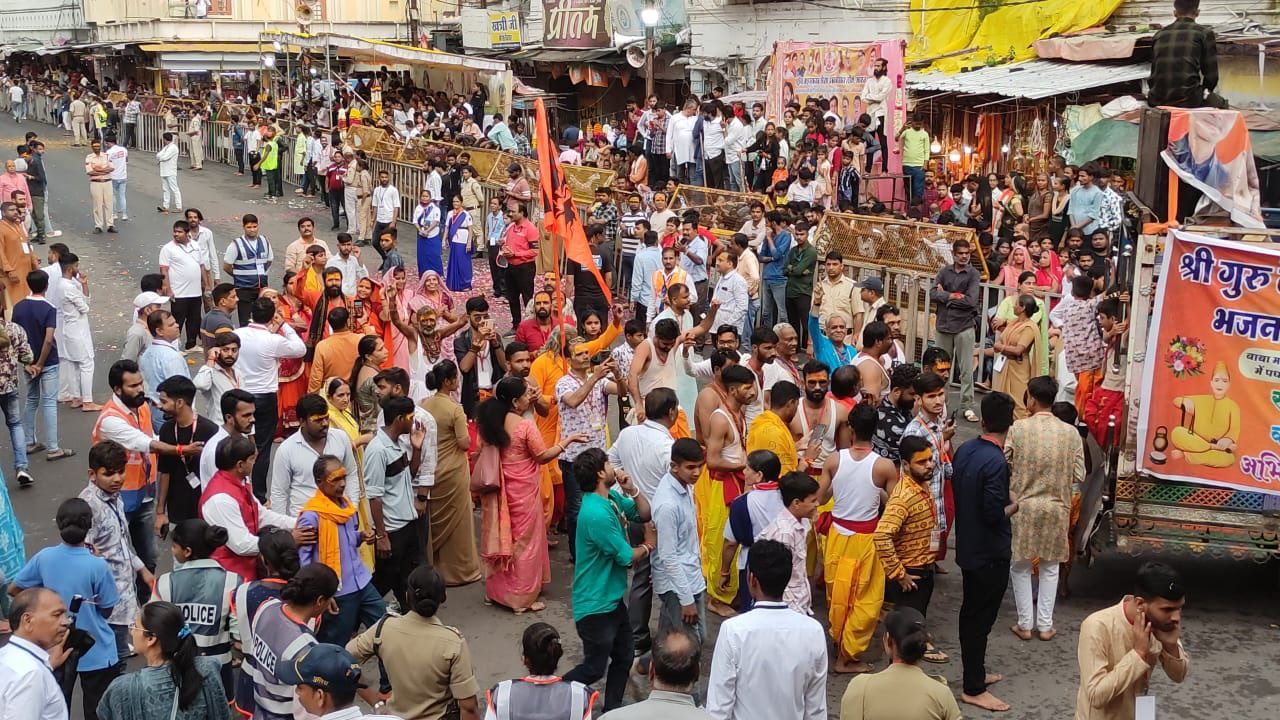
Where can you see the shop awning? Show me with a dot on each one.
(1118, 138)
(1030, 79)
(573, 56)
(197, 62)
(388, 53)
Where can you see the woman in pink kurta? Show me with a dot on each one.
(513, 538)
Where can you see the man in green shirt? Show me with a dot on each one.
(914, 140)
(802, 258)
(604, 553)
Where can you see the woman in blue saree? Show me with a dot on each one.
(458, 235)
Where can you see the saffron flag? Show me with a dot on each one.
(561, 214)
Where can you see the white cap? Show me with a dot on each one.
(148, 298)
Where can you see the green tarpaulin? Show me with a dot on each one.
(1120, 139)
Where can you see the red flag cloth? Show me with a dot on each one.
(562, 220)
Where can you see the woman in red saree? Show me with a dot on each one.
(513, 538)
(397, 343)
(293, 371)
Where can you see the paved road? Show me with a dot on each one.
(1232, 613)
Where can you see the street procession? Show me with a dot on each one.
(639, 360)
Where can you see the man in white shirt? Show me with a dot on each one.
(680, 142)
(803, 188)
(771, 662)
(16, 102)
(386, 204)
(644, 452)
(167, 159)
(28, 688)
(202, 237)
(737, 137)
(875, 93)
(235, 409)
(186, 273)
(434, 182)
(119, 157)
(348, 263)
(263, 343)
(731, 292)
(713, 147)
(756, 229)
(292, 478)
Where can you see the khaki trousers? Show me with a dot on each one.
(100, 201)
(78, 131)
(197, 152)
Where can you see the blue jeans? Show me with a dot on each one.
(753, 311)
(775, 304)
(13, 418)
(42, 390)
(142, 533)
(121, 207)
(916, 176)
(737, 182)
(362, 607)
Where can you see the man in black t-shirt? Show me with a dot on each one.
(586, 291)
(178, 486)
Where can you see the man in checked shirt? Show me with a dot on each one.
(1184, 65)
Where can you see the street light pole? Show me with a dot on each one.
(650, 16)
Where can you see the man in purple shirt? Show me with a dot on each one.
(337, 544)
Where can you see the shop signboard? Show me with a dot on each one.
(576, 24)
(504, 29)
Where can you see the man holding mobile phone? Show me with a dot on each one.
(481, 359)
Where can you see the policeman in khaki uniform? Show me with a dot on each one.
(428, 662)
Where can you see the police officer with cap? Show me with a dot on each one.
(327, 678)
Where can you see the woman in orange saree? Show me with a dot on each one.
(293, 371)
(513, 538)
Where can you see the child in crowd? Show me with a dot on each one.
(791, 527)
(749, 514)
(109, 538)
(72, 569)
(390, 256)
(204, 589)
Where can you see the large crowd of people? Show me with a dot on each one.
(329, 445)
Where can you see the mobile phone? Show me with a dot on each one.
(600, 357)
(954, 413)
(359, 305)
(164, 531)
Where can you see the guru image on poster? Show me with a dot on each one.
(1211, 391)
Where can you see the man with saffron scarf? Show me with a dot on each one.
(337, 544)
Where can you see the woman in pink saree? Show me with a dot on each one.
(405, 298)
(432, 293)
(513, 538)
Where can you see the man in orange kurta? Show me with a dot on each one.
(16, 257)
(546, 371)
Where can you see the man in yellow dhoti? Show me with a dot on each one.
(723, 481)
(858, 481)
(1211, 424)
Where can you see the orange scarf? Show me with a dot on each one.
(330, 515)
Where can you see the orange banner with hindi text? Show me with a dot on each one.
(1211, 393)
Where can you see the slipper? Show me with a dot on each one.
(35, 448)
(934, 655)
(59, 454)
(1047, 635)
(970, 416)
